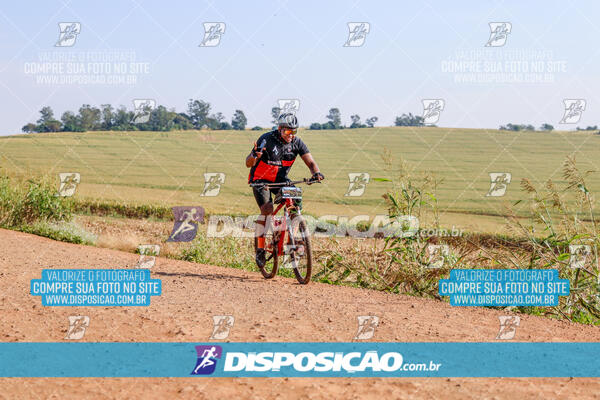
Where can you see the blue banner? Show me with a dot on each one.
(504, 287)
(95, 287)
(300, 359)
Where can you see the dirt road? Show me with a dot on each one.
(275, 310)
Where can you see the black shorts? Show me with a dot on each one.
(264, 196)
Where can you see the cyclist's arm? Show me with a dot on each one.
(254, 155)
(310, 163)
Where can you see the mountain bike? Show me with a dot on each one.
(286, 235)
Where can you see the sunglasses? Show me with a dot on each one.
(287, 131)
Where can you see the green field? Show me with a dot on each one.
(167, 167)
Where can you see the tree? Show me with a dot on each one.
(182, 122)
(47, 122)
(315, 126)
(122, 119)
(517, 127)
(225, 126)
(239, 120)
(89, 117)
(107, 116)
(589, 128)
(546, 127)
(215, 121)
(356, 122)
(54, 126)
(70, 122)
(256, 128)
(335, 118)
(46, 114)
(510, 127)
(198, 113)
(30, 128)
(409, 120)
(159, 120)
(371, 121)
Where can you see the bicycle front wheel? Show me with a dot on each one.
(299, 251)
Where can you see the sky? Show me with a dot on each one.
(270, 50)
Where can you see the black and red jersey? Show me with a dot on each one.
(277, 158)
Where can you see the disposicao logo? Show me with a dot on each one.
(301, 362)
(207, 359)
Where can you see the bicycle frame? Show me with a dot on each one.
(287, 204)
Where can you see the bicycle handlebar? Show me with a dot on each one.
(264, 184)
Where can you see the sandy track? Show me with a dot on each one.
(276, 310)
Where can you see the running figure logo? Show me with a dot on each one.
(222, 326)
(432, 109)
(499, 183)
(498, 34)
(77, 326)
(292, 255)
(212, 183)
(288, 106)
(142, 108)
(437, 255)
(508, 327)
(358, 183)
(579, 255)
(366, 327)
(573, 110)
(212, 34)
(358, 33)
(207, 359)
(68, 183)
(68, 33)
(186, 223)
(148, 253)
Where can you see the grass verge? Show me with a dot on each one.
(32, 206)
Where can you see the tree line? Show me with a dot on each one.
(543, 128)
(107, 118)
(334, 121)
(199, 116)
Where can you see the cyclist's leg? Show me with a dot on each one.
(263, 199)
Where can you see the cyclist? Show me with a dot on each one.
(270, 161)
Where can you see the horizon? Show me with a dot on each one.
(306, 129)
(576, 128)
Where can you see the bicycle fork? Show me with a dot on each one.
(291, 249)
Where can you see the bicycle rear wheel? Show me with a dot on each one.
(269, 270)
(299, 251)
